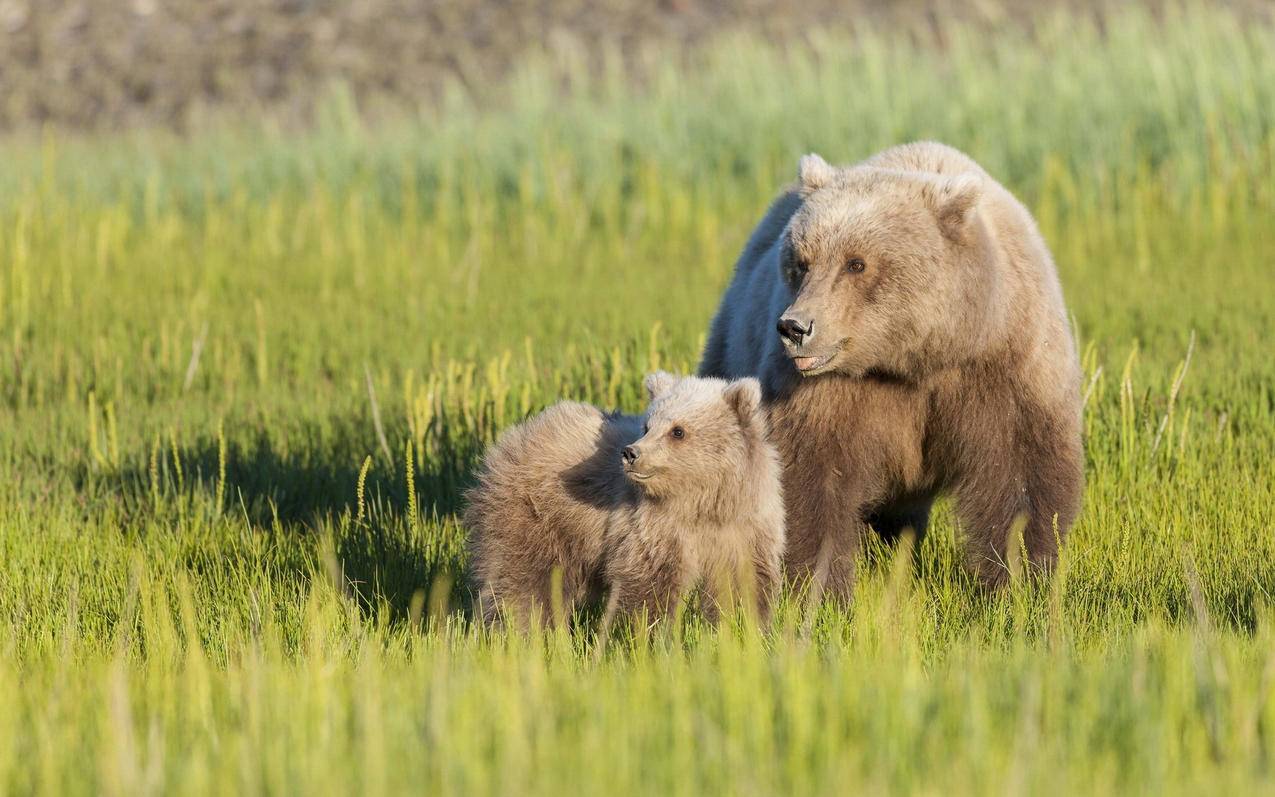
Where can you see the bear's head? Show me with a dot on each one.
(700, 436)
(887, 270)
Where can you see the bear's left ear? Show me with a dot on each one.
(953, 200)
(744, 397)
(658, 383)
(813, 172)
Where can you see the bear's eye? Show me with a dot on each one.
(646, 428)
(856, 265)
(797, 269)
(677, 433)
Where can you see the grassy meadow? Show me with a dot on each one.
(245, 375)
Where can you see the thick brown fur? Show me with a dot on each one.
(697, 507)
(939, 359)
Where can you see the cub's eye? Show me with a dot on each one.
(856, 265)
(646, 428)
(677, 433)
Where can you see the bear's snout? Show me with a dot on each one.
(793, 331)
(629, 454)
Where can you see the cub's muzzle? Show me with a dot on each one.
(630, 455)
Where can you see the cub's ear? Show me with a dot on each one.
(954, 200)
(814, 172)
(744, 397)
(658, 383)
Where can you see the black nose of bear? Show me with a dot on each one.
(630, 455)
(792, 330)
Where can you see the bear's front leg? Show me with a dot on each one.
(825, 537)
(1018, 492)
(843, 448)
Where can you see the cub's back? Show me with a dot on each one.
(545, 491)
(541, 446)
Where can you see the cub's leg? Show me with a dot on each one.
(643, 581)
(767, 577)
(528, 601)
(749, 579)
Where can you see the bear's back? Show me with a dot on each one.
(1026, 268)
(735, 341)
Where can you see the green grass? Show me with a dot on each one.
(193, 598)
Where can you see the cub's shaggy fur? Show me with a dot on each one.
(649, 506)
(923, 347)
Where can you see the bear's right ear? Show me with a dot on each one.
(813, 172)
(744, 397)
(953, 200)
(658, 383)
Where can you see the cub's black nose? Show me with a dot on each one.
(629, 454)
(792, 330)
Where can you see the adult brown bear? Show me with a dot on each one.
(907, 325)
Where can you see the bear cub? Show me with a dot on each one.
(650, 507)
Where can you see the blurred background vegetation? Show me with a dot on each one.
(118, 63)
(273, 273)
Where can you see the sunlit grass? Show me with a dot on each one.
(220, 573)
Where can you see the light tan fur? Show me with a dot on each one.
(702, 509)
(938, 358)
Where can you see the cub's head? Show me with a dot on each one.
(881, 266)
(699, 435)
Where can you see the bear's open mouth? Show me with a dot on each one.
(632, 474)
(808, 364)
